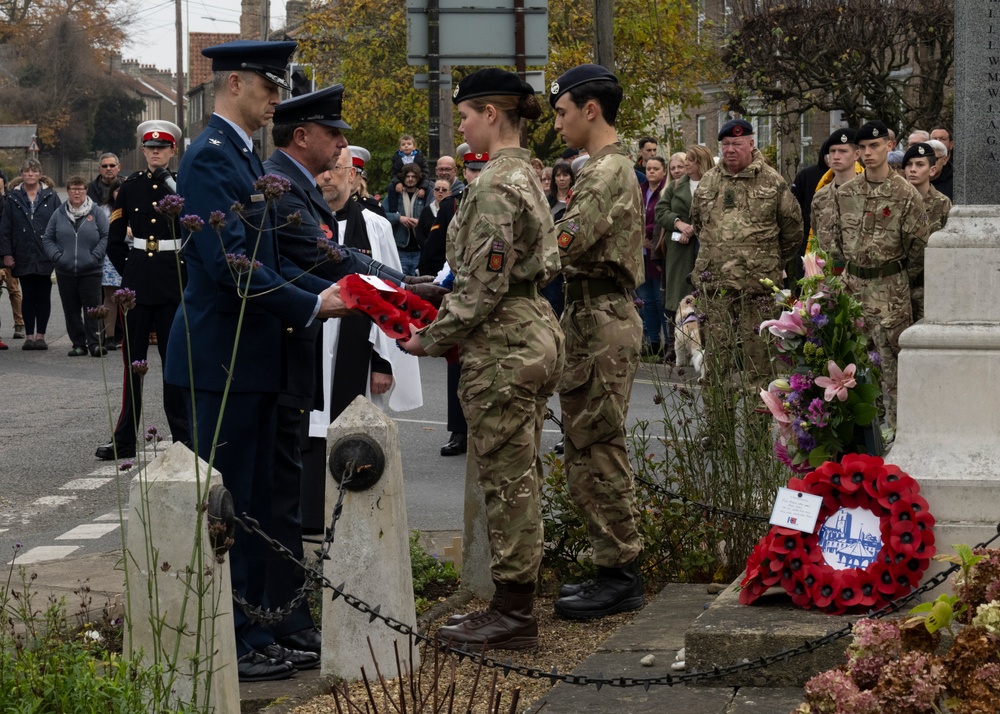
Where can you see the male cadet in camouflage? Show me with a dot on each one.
(917, 163)
(882, 232)
(600, 243)
(842, 157)
(749, 226)
(501, 246)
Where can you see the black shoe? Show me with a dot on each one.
(457, 444)
(76, 352)
(307, 640)
(258, 667)
(107, 452)
(97, 351)
(613, 590)
(560, 446)
(111, 346)
(298, 658)
(40, 344)
(567, 589)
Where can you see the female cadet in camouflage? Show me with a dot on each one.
(501, 246)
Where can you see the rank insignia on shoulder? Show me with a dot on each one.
(565, 239)
(215, 142)
(495, 262)
(115, 215)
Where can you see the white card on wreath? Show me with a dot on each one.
(379, 284)
(796, 510)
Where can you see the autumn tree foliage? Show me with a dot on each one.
(868, 58)
(363, 44)
(52, 66)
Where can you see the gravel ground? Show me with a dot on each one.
(563, 644)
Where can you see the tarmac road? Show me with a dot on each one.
(57, 499)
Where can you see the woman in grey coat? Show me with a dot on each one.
(76, 240)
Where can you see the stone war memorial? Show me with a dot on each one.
(949, 365)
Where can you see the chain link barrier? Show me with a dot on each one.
(315, 577)
(707, 508)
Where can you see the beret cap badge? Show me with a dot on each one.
(554, 89)
(875, 131)
(843, 138)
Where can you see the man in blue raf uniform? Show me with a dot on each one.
(217, 172)
(154, 268)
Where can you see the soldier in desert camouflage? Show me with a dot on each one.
(882, 232)
(918, 161)
(749, 226)
(600, 239)
(501, 246)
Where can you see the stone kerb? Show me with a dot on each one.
(370, 555)
(163, 599)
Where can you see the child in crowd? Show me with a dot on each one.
(408, 154)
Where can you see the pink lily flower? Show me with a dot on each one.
(776, 406)
(812, 265)
(787, 325)
(838, 382)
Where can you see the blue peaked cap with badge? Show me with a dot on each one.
(268, 59)
(320, 107)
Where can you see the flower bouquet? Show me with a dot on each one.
(823, 405)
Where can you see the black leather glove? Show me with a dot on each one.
(428, 291)
(418, 279)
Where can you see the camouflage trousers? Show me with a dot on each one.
(887, 310)
(734, 347)
(510, 367)
(603, 340)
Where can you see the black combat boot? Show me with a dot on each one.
(507, 625)
(613, 590)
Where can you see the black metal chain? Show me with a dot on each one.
(270, 616)
(551, 416)
(712, 510)
(507, 666)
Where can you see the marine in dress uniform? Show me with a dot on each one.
(221, 172)
(600, 238)
(153, 266)
(359, 157)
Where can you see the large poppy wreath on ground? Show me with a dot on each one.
(393, 311)
(794, 560)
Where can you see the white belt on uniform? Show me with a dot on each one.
(156, 244)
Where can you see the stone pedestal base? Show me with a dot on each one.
(165, 602)
(476, 553)
(370, 555)
(949, 372)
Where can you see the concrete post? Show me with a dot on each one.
(476, 553)
(370, 555)
(163, 581)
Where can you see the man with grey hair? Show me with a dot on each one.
(917, 136)
(942, 172)
(446, 168)
(100, 187)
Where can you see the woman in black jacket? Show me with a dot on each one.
(26, 214)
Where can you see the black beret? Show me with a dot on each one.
(920, 151)
(581, 74)
(735, 127)
(268, 59)
(491, 82)
(841, 136)
(872, 130)
(320, 107)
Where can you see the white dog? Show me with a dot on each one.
(687, 337)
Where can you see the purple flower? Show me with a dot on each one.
(706, 276)
(236, 208)
(876, 358)
(272, 186)
(140, 367)
(125, 298)
(125, 465)
(238, 262)
(295, 218)
(818, 416)
(638, 302)
(820, 320)
(171, 205)
(217, 220)
(192, 223)
(98, 313)
(17, 546)
(800, 382)
(803, 438)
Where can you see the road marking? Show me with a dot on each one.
(88, 531)
(43, 553)
(421, 421)
(84, 484)
(109, 470)
(54, 500)
(113, 516)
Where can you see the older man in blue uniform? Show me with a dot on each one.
(235, 370)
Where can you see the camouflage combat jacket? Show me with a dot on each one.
(602, 232)
(501, 235)
(749, 225)
(822, 222)
(937, 206)
(881, 223)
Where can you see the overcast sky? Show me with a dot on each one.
(153, 38)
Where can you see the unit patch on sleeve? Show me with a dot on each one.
(495, 262)
(565, 239)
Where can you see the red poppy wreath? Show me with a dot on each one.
(888, 569)
(392, 310)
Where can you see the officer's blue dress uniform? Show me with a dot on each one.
(218, 170)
